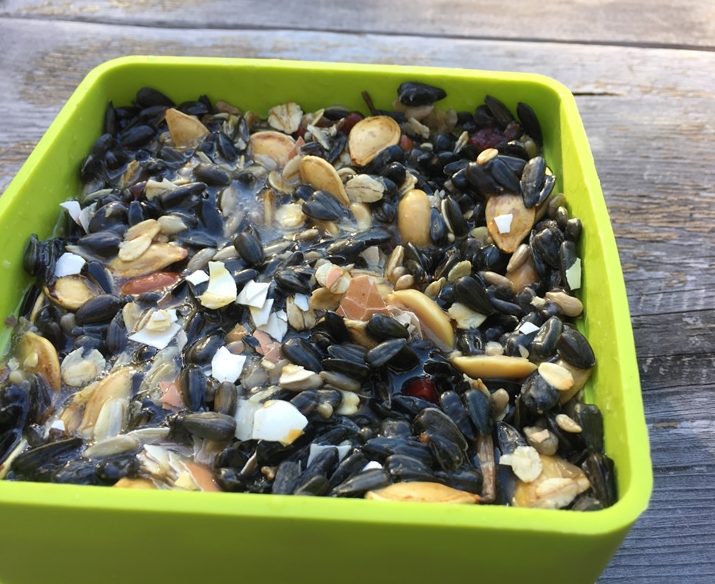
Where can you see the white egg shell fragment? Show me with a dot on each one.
(222, 287)
(74, 209)
(78, 370)
(278, 421)
(253, 294)
(197, 277)
(225, 366)
(157, 332)
(69, 264)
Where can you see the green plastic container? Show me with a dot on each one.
(64, 533)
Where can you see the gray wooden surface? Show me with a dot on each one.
(644, 77)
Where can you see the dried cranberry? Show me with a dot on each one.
(512, 131)
(486, 138)
(406, 143)
(349, 121)
(423, 388)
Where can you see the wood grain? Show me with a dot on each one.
(682, 23)
(648, 114)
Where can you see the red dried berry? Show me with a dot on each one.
(423, 388)
(486, 138)
(349, 121)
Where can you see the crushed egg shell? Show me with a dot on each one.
(302, 301)
(86, 215)
(197, 277)
(277, 325)
(278, 421)
(225, 366)
(316, 449)
(528, 327)
(222, 287)
(525, 462)
(573, 275)
(245, 411)
(69, 264)
(74, 209)
(503, 222)
(261, 315)
(170, 395)
(158, 338)
(253, 294)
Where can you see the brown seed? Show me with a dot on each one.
(567, 304)
(542, 439)
(568, 424)
(524, 275)
(558, 484)
(150, 283)
(486, 155)
(370, 136)
(133, 249)
(522, 220)
(150, 227)
(157, 257)
(186, 131)
(500, 366)
(556, 376)
(127, 483)
(404, 282)
(71, 292)
(580, 377)
(435, 323)
(321, 175)
(362, 188)
(424, 492)
(38, 355)
(496, 279)
(413, 218)
(521, 254)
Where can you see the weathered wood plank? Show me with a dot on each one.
(680, 23)
(650, 129)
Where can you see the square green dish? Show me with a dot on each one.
(90, 534)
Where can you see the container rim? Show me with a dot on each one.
(616, 518)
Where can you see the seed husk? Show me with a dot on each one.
(434, 321)
(71, 292)
(321, 175)
(157, 257)
(424, 492)
(521, 222)
(38, 355)
(370, 136)
(186, 131)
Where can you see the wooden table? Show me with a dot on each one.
(643, 74)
